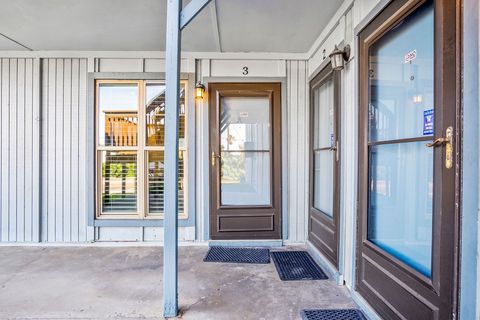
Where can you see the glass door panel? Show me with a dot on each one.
(323, 181)
(401, 114)
(324, 147)
(245, 135)
(400, 204)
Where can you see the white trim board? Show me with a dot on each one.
(153, 54)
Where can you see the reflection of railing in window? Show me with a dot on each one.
(381, 118)
(155, 120)
(121, 128)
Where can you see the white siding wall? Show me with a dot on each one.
(343, 33)
(297, 150)
(19, 115)
(64, 150)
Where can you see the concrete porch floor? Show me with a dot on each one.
(126, 283)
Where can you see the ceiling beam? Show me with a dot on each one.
(216, 27)
(15, 41)
(190, 11)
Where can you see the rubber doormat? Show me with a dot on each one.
(331, 314)
(296, 265)
(238, 255)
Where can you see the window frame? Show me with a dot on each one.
(142, 154)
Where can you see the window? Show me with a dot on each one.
(130, 134)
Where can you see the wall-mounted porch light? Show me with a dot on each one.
(338, 57)
(199, 91)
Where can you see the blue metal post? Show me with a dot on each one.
(177, 19)
(172, 100)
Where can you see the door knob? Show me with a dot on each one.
(437, 142)
(335, 148)
(214, 156)
(448, 142)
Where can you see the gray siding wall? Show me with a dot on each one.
(19, 128)
(64, 151)
(44, 176)
(297, 153)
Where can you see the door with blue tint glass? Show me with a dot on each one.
(407, 161)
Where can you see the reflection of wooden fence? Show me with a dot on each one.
(121, 129)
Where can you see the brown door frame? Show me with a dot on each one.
(385, 271)
(327, 239)
(273, 212)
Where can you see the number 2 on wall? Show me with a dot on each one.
(245, 71)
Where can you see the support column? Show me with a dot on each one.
(177, 19)
(172, 100)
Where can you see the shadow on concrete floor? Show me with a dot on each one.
(126, 283)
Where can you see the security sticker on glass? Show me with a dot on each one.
(428, 119)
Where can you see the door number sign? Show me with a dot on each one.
(245, 71)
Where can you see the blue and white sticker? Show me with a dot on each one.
(428, 119)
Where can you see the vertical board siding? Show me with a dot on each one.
(298, 144)
(19, 128)
(64, 154)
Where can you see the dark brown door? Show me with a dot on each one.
(325, 163)
(245, 161)
(408, 161)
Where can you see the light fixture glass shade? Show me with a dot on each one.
(199, 91)
(337, 59)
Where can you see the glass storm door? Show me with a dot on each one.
(407, 171)
(245, 161)
(324, 163)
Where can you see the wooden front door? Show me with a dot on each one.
(245, 161)
(325, 163)
(408, 161)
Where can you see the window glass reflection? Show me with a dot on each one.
(155, 115)
(401, 79)
(400, 204)
(245, 178)
(118, 114)
(245, 123)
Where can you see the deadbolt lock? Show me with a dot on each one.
(448, 142)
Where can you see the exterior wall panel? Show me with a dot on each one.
(297, 127)
(64, 154)
(19, 105)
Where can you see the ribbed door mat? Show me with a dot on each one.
(238, 255)
(296, 265)
(332, 314)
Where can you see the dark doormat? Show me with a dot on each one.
(297, 265)
(332, 314)
(238, 255)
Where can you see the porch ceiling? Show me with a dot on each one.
(139, 25)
